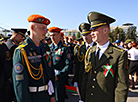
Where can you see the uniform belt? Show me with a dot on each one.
(39, 89)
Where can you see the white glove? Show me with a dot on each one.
(80, 101)
(75, 84)
(51, 88)
(56, 71)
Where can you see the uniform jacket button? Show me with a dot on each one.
(92, 94)
(95, 72)
(93, 79)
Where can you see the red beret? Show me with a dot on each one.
(61, 34)
(38, 19)
(66, 37)
(54, 29)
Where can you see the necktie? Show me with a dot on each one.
(88, 47)
(97, 56)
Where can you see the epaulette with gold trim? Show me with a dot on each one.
(65, 45)
(118, 48)
(1, 43)
(22, 45)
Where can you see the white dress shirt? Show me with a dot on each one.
(102, 49)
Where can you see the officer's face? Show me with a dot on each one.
(87, 38)
(55, 37)
(40, 30)
(19, 38)
(99, 35)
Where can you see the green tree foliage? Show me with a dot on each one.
(121, 34)
(78, 35)
(74, 34)
(116, 33)
(69, 33)
(133, 34)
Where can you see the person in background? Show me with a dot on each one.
(61, 61)
(48, 40)
(118, 44)
(79, 70)
(12, 43)
(106, 68)
(133, 67)
(5, 70)
(33, 72)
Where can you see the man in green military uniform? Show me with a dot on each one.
(85, 31)
(106, 70)
(33, 73)
(61, 61)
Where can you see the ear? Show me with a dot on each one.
(16, 34)
(32, 27)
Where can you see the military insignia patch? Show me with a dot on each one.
(18, 67)
(7, 55)
(50, 63)
(57, 58)
(19, 77)
(69, 56)
(126, 67)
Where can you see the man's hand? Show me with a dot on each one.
(53, 99)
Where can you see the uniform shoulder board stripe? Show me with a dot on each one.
(65, 45)
(118, 48)
(22, 45)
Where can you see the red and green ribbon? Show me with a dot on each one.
(58, 52)
(48, 56)
(108, 69)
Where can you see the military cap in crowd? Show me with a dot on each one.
(84, 28)
(28, 32)
(79, 39)
(66, 37)
(48, 38)
(38, 19)
(54, 29)
(97, 19)
(21, 31)
(62, 34)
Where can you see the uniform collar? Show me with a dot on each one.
(91, 44)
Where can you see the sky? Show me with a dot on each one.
(66, 14)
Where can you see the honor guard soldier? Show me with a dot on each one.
(85, 31)
(17, 36)
(5, 70)
(33, 73)
(61, 61)
(106, 67)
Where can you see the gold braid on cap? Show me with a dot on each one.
(23, 54)
(21, 33)
(98, 25)
(86, 32)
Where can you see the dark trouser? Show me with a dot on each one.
(10, 95)
(2, 95)
(59, 90)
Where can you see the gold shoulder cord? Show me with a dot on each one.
(87, 68)
(80, 56)
(23, 54)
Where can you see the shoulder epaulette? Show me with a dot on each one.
(22, 45)
(1, 43)
(65, 45)
(118, 48)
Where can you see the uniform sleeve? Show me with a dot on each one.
(67, 62)
(122, 86)
(20, 79)
(7, 62)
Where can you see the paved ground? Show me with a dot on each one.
(132, 95)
